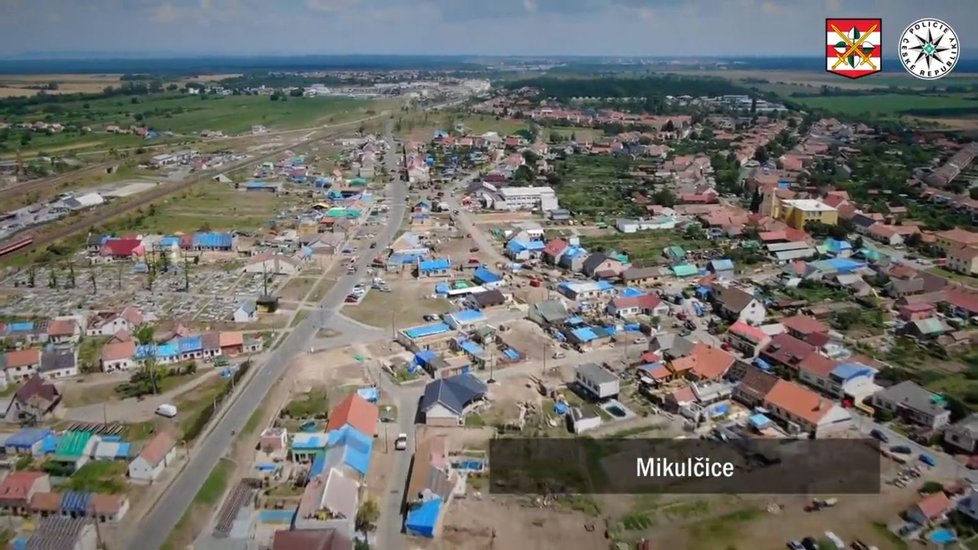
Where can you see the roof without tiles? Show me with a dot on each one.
(118, 350)
(315, 539)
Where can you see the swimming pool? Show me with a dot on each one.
(942, 536)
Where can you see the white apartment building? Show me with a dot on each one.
(527, 198)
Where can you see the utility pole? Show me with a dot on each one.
(91, 277)
(186, 274)
(492, 361)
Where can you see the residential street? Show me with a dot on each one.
(162, 519)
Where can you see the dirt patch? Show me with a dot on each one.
(331, 368)
(404, 306)
(528, 338)
(296, 289)
(485, 524)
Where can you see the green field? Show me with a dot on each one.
(896, 104)
(177, 113)
(598, 187)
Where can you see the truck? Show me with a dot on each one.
(167, 410)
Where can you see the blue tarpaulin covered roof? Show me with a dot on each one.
(170, 349)
(584, 334)
(20, 326)
(468, 316)
(437, 264)
(484, 276)
(427, 330)
(28, 437)
(213, 240)
(442, 288)
(470, 347)
(421, 520)
(348, 446)
(75, 502)
(190, 344)
(759, 420)
(632, 292)
(425, 356)
(369, 394)
(170, 241)
(50, 444)
(318, 465)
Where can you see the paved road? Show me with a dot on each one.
(158, 524)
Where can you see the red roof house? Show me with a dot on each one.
(356, 412)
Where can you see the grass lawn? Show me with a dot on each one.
(192, 403)
(297, 288)
(212, 206)
(322, 289)
(405, 308)
(966, 279)
(207, 497)
(580, 134)
(99, 476)
(300, 316)
(643, 247)
(312, 404)
(480, 124)
(716, 533)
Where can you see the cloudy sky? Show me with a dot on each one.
(492, 27)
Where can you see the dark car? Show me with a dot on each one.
(373, 245)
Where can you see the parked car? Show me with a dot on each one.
(878, 434)
(400, 443)
(373, 245)
(167, 410)
(640, 340)
(474, 249)
(558, 355)
(795, 545)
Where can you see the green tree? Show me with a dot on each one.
(367, 516)
(145, 336)
(664, 197)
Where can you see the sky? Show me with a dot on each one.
(472, 27)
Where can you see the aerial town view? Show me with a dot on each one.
(433, 275)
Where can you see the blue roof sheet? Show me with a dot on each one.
(442, 288)
(75, 501)
(584, 334)
(50, 444)
(426, 356)
(632, 292)
(435, 265)
(170, 241)
(759, 420)
(847, 371)
(28, 437)
(21, 326)
(535, 246)
(350, 447)
(484, 276)
(515, 246)
(318, 466)
(573, 252)
(722, 264)
(190, 344)
(213, 240)
(470, 347)
(169, 349)
(605, 285)
(427, 330)
(468, 316)
(311, 442)
(422, 520)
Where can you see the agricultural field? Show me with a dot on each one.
(177, 113)
(812, 80)
(421, 126)
(582, 135)
(28, 85)
(944, 105)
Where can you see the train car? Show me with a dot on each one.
(15, 245)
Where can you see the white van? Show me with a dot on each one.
(166, 410)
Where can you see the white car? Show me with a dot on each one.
(641, 340)
(400, 443)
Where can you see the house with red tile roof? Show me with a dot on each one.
(645, 304)
(930, 510)
(803, 327)
(786, 351)
(815, 369)
(356, 412)
(706, 363)
(122, 248)
(158, 453)
(64, 330)
(17, 489)
(803, 411)
(21, 364)
(118, 356)
(554, 250)
(746, 339)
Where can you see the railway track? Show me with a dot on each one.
(108, 212)
(30, 186)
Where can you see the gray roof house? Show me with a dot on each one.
(247, 311)
(444, 400)
(914, 404)
(963, 434)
